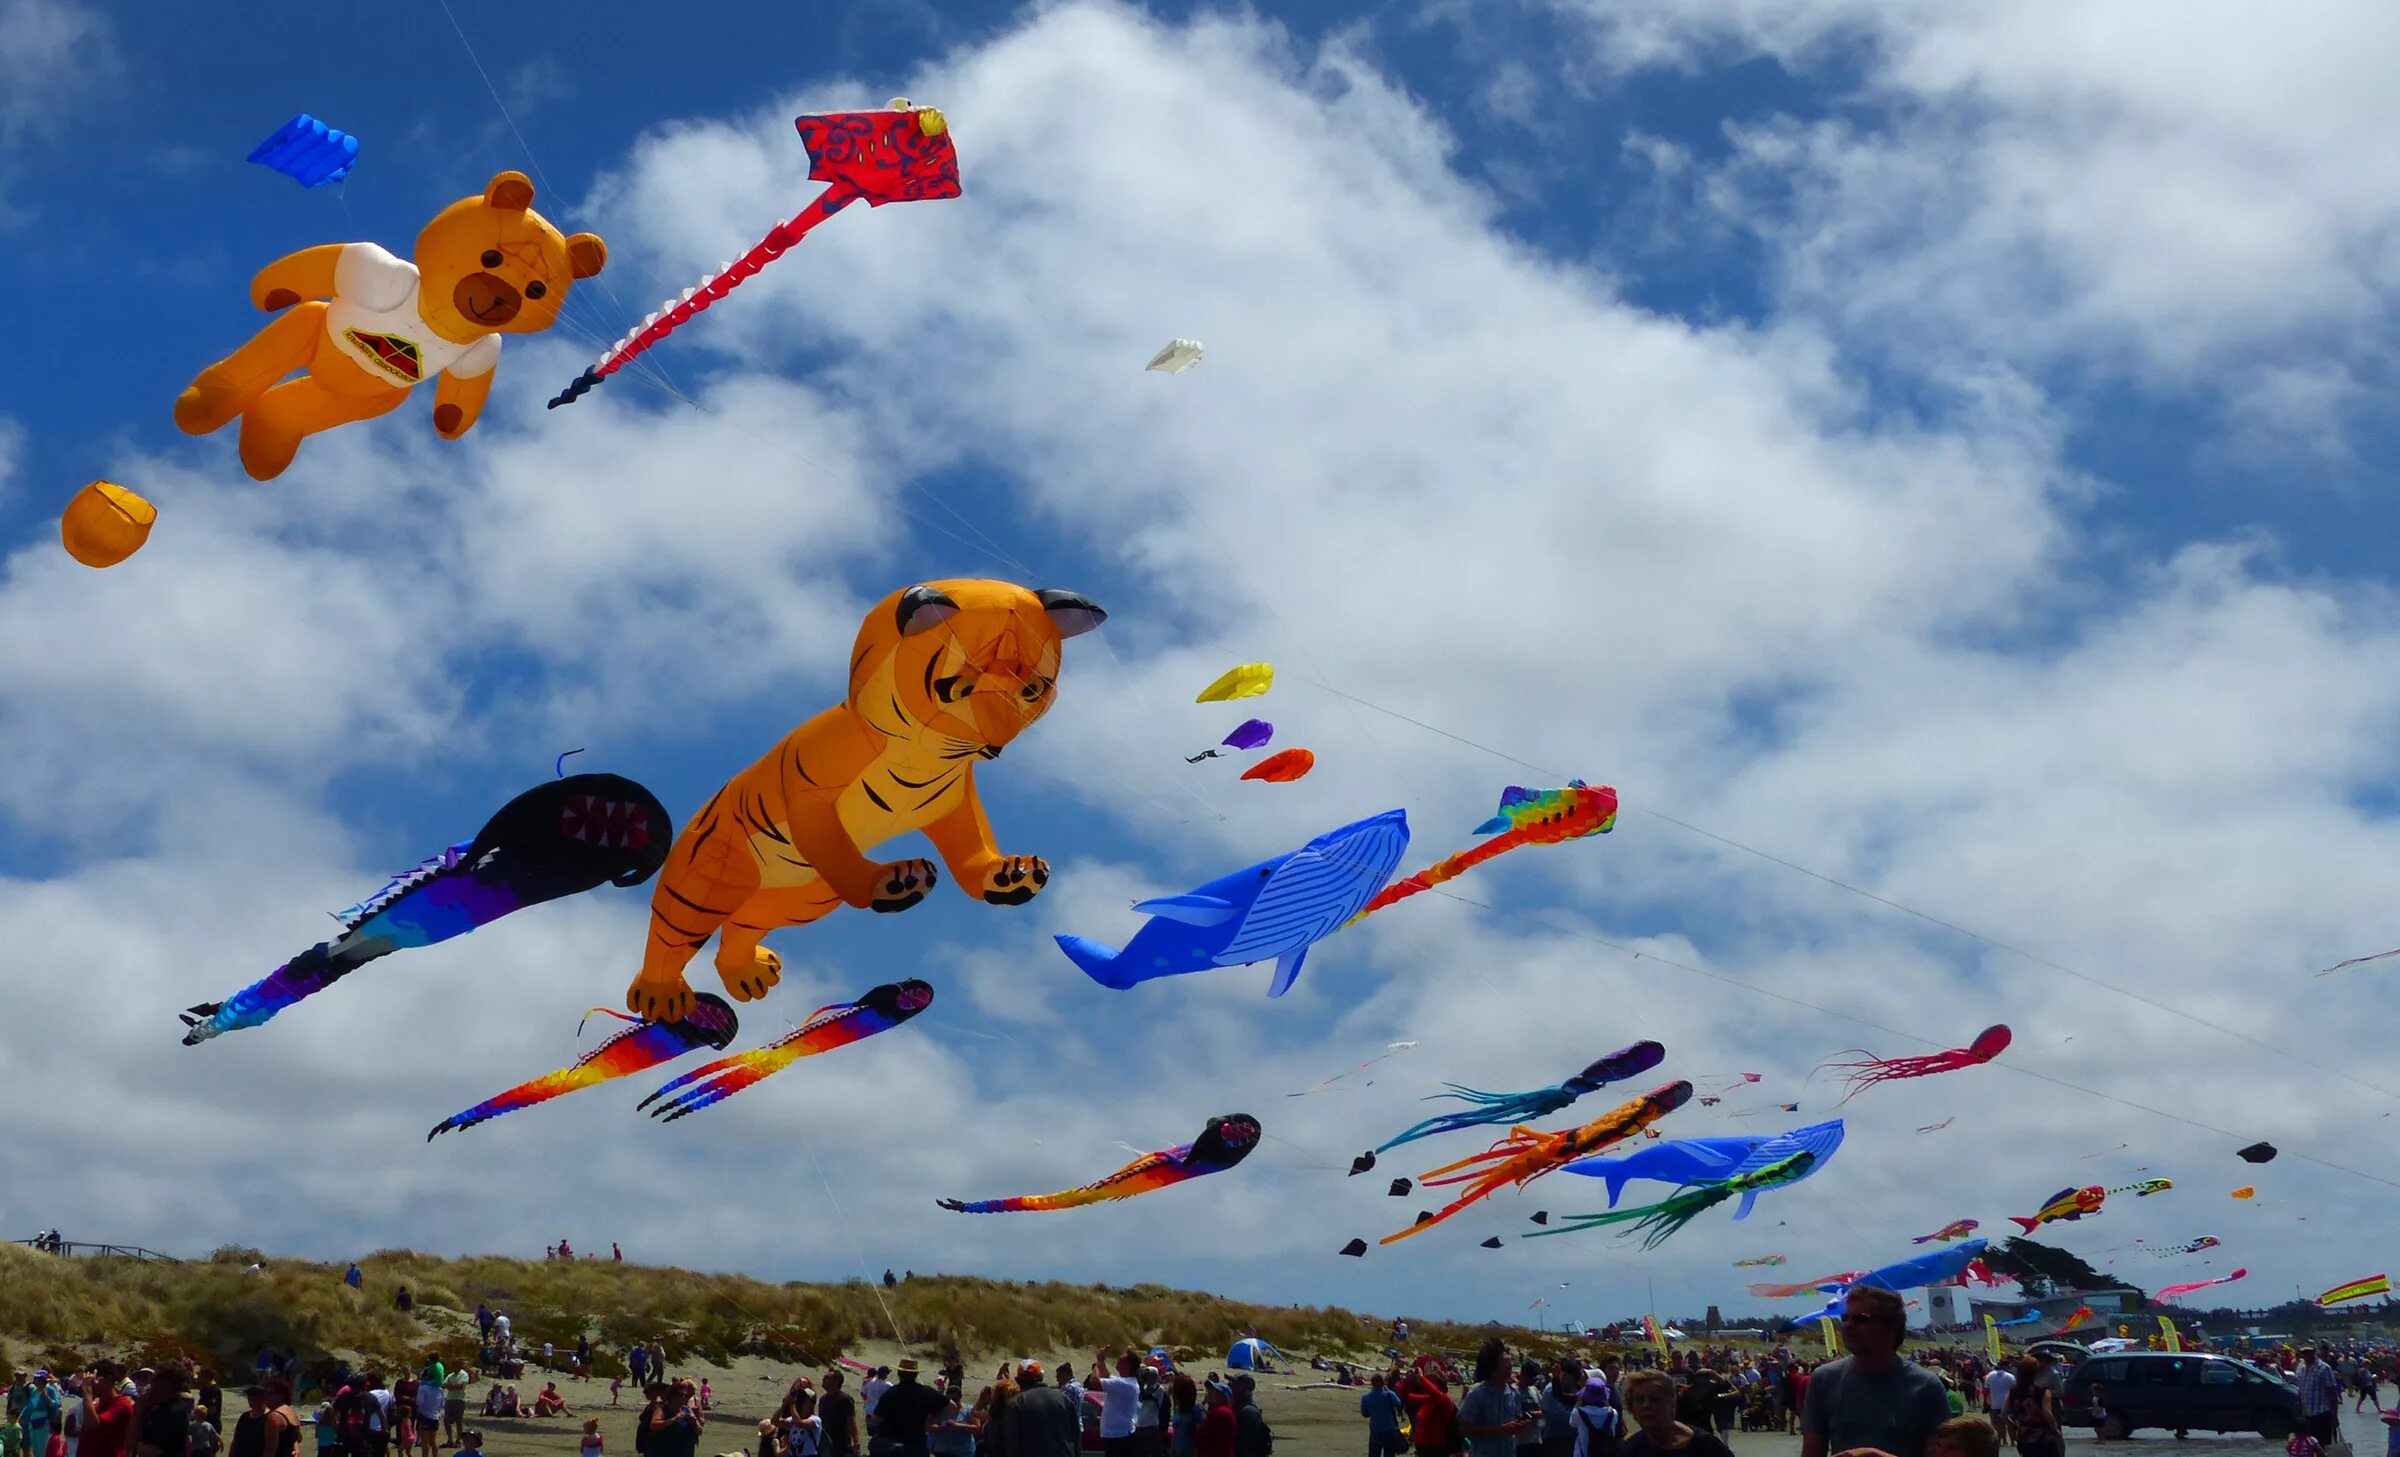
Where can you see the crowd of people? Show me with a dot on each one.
(1126, 1405)
(1870, 1402)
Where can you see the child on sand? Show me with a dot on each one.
(591, 1437)
(615, 1385)
(705, 1397)
(1964, 1437)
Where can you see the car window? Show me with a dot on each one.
(2219, 1373)
(2106, 1372)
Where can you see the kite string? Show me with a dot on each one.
(1872, 1024)
(527, 147)
(1907, 910)
(857, 1252)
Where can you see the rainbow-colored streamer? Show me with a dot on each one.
(827, 1028)
(1526, 817)
(1226, 1141)
(637, 1048)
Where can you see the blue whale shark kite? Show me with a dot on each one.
(1709, 1160)
(1924, 1270)
(1277, 908)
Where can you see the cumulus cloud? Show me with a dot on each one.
(1441, 479)
(2175, 193)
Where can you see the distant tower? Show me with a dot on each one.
(1941, 1305)
(1716, 1322)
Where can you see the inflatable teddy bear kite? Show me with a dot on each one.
(367, 325)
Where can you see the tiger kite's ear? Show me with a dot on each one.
(1072, 613)
(922, 608)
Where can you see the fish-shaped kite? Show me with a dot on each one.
(900, 154)
(1504, 1108)
(1955, 1229)
(1938, 1268)
(1282, 767)
(1225, 1142)
(555, 840)
(1705, 1160)
(2169, 1292)
(1249, 680)
(2066, 1204)
(1526, 817)
(2357, 1290)
(1277, 908)
(827, 1028)
(1756, 1260)
(2189, 1247)
(1526, 1154)
(2145, 1188)
(1250, 733)
(1660, 1221)
(1868, 1069)
(629, 1050)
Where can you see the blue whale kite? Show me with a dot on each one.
(1277, 908)
(1934, 1269)
(1708, 1160)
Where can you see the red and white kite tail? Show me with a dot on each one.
(676, 311)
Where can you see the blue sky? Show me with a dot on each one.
(1941, 450)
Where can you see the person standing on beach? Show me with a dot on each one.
(2320, 1396)
(839, 1411)
(905, 1415)
(1488, 1415)
(1044, 1421)
(108, 1414)
(1873, 1398)
(1120, 1403)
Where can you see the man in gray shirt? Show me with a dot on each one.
(1042, 1421)
(1872, 1400)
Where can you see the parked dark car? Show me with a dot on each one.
(2190, 1392)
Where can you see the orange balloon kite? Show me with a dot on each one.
(1282, 768)
(105, 524)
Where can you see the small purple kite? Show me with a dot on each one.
(1253, 733)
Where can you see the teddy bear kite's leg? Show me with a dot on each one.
(273, 428)
(227, 388)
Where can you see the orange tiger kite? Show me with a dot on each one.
(943, 674)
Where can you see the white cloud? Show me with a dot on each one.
(2172, 190)
(1422, 464)
(53, 55)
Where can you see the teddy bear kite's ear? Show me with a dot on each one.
(510, 192)
(587, 254)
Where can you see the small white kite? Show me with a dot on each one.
(1178, 356)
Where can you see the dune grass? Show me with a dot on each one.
(62, 1310)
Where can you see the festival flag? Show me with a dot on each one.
(1991, 1336)
(2357, 1290)
(2172, 1336)
(1825, 1327)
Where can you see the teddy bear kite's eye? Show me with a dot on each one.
(536, 289)
(491, 258)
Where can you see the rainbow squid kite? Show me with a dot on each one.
(1526, 1154)
(1503, 1108)
(554, 840)
(1225, 1142)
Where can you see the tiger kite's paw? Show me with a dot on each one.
(902, 884)
(749, 980)
(1015, 879)
(662, 999)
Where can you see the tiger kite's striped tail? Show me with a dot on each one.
(839, 1025)
(629, 1050)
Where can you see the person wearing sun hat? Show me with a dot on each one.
(905, 1415)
